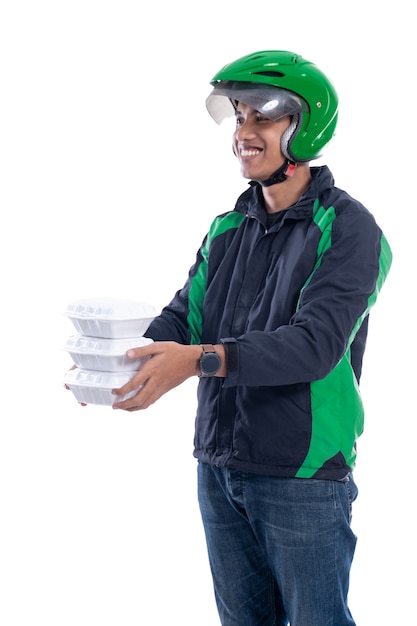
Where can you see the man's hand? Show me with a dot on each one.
(169, 365)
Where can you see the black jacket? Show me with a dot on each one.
(291, 305)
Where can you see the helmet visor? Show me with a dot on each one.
(273, 102)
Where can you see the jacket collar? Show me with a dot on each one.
(251, 202)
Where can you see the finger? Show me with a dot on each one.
(131, 404)
(142, 400)
(135, 383)
(141, 352)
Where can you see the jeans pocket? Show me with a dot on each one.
(352, 493)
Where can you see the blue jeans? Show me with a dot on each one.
(280, 549)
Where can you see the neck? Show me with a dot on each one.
(282, 195)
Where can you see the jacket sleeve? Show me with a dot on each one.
(333, 306)
(173, 322)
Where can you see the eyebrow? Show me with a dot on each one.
(238, 111)
(252, 112)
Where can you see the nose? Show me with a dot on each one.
(245, 131)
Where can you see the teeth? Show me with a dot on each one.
(249, 153)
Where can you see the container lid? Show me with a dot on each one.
(109, 309)
(81, 344)
(101, 380)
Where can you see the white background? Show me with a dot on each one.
(108, 164)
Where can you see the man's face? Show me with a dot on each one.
(257, 142)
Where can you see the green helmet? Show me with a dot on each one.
(279, 83)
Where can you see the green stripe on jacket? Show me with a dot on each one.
(198, 283)
(336, 402)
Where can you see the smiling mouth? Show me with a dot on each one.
(246, 152)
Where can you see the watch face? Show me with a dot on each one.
(210, 363)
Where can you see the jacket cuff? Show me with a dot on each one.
(232, 360)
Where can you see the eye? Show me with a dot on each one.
(257, 118)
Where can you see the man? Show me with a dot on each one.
(273, 319)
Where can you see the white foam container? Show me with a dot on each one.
(110, 318)
(92, 387)
(105, 355)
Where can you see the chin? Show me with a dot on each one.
(245, 173)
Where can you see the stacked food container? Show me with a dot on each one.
(106, 329)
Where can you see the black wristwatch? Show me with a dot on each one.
(210, 361)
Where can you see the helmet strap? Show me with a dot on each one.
(286, 170)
